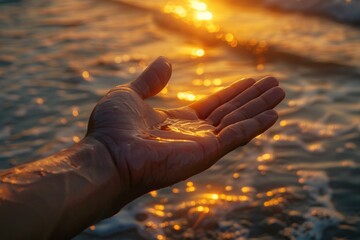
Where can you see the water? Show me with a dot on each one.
(298, 180)
(343, 10)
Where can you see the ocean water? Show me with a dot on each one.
(343, 10)
(299, 180)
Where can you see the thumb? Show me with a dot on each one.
(153, 79)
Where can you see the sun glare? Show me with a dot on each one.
(198, 52)
(186, 96)
(195, 10)
(201, 16)
(204, 16)
(198, 5)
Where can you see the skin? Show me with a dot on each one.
(130, 149)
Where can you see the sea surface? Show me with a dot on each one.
(299, 180)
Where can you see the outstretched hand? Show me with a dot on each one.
(154, 148)
(130, 149)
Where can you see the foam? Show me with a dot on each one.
(317, 219)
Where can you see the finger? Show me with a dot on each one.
(153, 79)
(239, 134)
(266, 101)
(205, 106)
(252, 92)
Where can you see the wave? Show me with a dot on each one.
(244, 46)
(342, 10)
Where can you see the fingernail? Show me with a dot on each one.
(271, 113)
(278, 92)
(161, 59)
(162, 66)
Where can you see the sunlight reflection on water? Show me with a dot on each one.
(62, 56)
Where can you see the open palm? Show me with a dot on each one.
(154, 148)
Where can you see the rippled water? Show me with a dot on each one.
(301, 179)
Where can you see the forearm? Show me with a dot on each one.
(59, 196)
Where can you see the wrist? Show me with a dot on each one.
(92, 187)
(114, 187)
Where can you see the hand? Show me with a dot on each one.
(154, 148)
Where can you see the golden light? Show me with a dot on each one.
(180, 11)
(118, 59)
(276, 137)
(246, 189)
(228, 188)
(150, 224)
(158, 210)
(228, 198)
(131, 69)
(217, 82)
(212, 28)
(75, 112)
(274, 202)
(236, 175)
(160, 237)
(153, 193)
(76, 139)
(199, 71)
(195, 12)
(39, 101)
(187, 96)
(126, 58)
(207, 82)
(204, 16)
(159, 207)
(177, 227)
(158, 213)
(262, 168)
(315, 147)
(164, 224)
(229, 37)
(202, 209)
(265, 157)
(215, 196)
(283, 123)
(190, 187)
(198, 52)
(168, 8)
(197, 82)
(269, 193)
(175, 190)
(86, 75)
(260, 67)
(292, 103)
(198, 5)
(233, 43)
(243, 198)
(164, 90)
